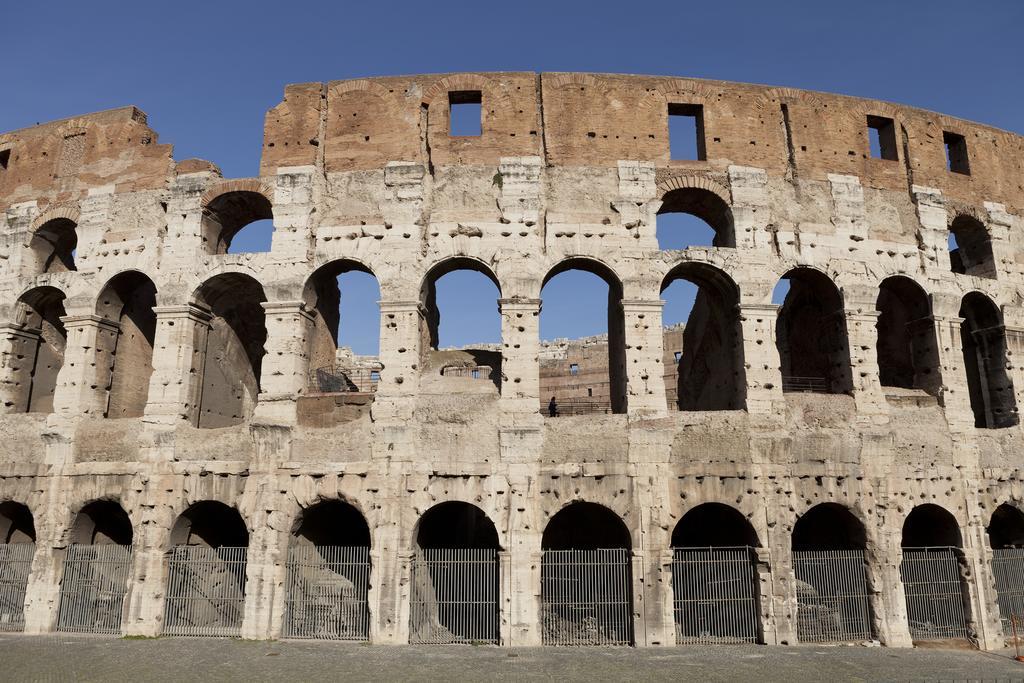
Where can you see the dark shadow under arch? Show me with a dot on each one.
(828, 526)
(39, 312)
(102, 522)
(908, 354)
(1006, 528)
(705, 205)
(16, 523)
(128, 300)
(455, 524)
(225, 215)
(585, 526)
(331, 523)
(211, 524)
(53, 245)
(983, 337)
(711, 525)
(930, 525)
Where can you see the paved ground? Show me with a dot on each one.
(64, 658)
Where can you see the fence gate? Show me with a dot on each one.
(935, 594)
(587, 597)
(714, 596)
(327, 589)
(93, 588)
(454, 596)
(832, 596)
(1008, 567)
(205, 591)
(15, 566)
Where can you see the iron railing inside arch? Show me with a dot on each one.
(832, 596)
(1008, 568)
(342, 379)
(327, 592)
(205, 591)
(15, 567)
(807, 385)
(93, 588)
(714, 595)
(454, 596)
(933, 582)
(586, 597)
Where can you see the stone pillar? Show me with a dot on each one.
(84, 379)
(144, 615)
(888, 602)
(862, 334)
(401, 352)
(782, 589)
(18, 348)
(638, 562)
(293, 207)
(765, 603)
(954, 395)
(661, 615)
(520, 346)
(934, 230)
(751, 212)
(645, 374)
(982, 584)
(1000, 226)
(505, 611)
(1014, 340)
(184, 243)
(261, 564)
(389, 579)
(525, 533)
(42, 594)
(285, 370)
(760, 357)
(179, 354)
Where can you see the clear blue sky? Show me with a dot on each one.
(206, 72)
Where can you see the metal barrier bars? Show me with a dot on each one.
(935, 594)
(454, 596)
(1008, 568)
(337, 379)
(832, 596)
(205, 591)
(714, 596)
(326, 596)
(15, 566)
(93, 588)
(811, 385)
(586, 597)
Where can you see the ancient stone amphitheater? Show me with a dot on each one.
(184, 455)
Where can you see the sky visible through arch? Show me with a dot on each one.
(206, 73)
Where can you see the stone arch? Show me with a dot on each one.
(907, 347)
(40, 350)
(973, 253)
(1006, 527)
(931, 525)
(469, 81)
(428, 299)
(127, 301)
(211, 524)
(983, 339)
(331, 522)
(455, 524)
(582, 525)
(234, 349)
(17, 524)
(101, 522)
(677, 90)
(55, 238)
(704, 199)
(829, 526)
(714, 524)
(231, 205)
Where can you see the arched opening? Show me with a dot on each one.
(344, 345)
(17, 548)
(934, 573)
(54, 244)
(206, 572)
(455, 591)
(811, 334)
(983, 338)
(908, 355)
(703, 340)
(970, 248)
(583, 362)
(461, 339)
(694, 217)
(328, 574)
(1006, 538)
(714, 578)
(127, 301)
(39, 350)
(586, 578)
(234, 349)
(97, 565)
(830, 569)
(225, 217)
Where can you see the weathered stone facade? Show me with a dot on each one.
(141, 363)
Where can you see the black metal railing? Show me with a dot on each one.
(336, 379)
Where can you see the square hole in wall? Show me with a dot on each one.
(882, 138)
(574, 369)
(465, 113)
(5, 159)
(686, 132)
(956, 153)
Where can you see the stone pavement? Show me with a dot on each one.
(83, 658)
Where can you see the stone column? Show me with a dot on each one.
(401, 354)
(525, 533)
(765, 603)
(179, 354)
(84, 379)
(862, 333)
(1014, 339)
(1000, 226)
(751, 209)
(18, 347)
(505, 610)
(638, 565)
(934, 230)
(285, 369)
(981, 583)
(888, 602)
(148, 580)
(293, 206)
(261, 561)
(42, 594)
(760, 357)
(782, 589)
(645, 374)
(520, 346)
(954, 395)
(389, 579)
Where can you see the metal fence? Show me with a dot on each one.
(327, 590)
(714, 596)
(586, 597)
(935, 595)
(15, 567)
(578, 406)
(93, 588)
(810, 385)
(832, 596)
(205, 591)
(1008, 568)
(454, 596)
(337, 379)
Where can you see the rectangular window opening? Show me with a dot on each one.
(686, 132)
(465, 111)
(574, 369)
(882, 137)
(956, 153)
(5, 159)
